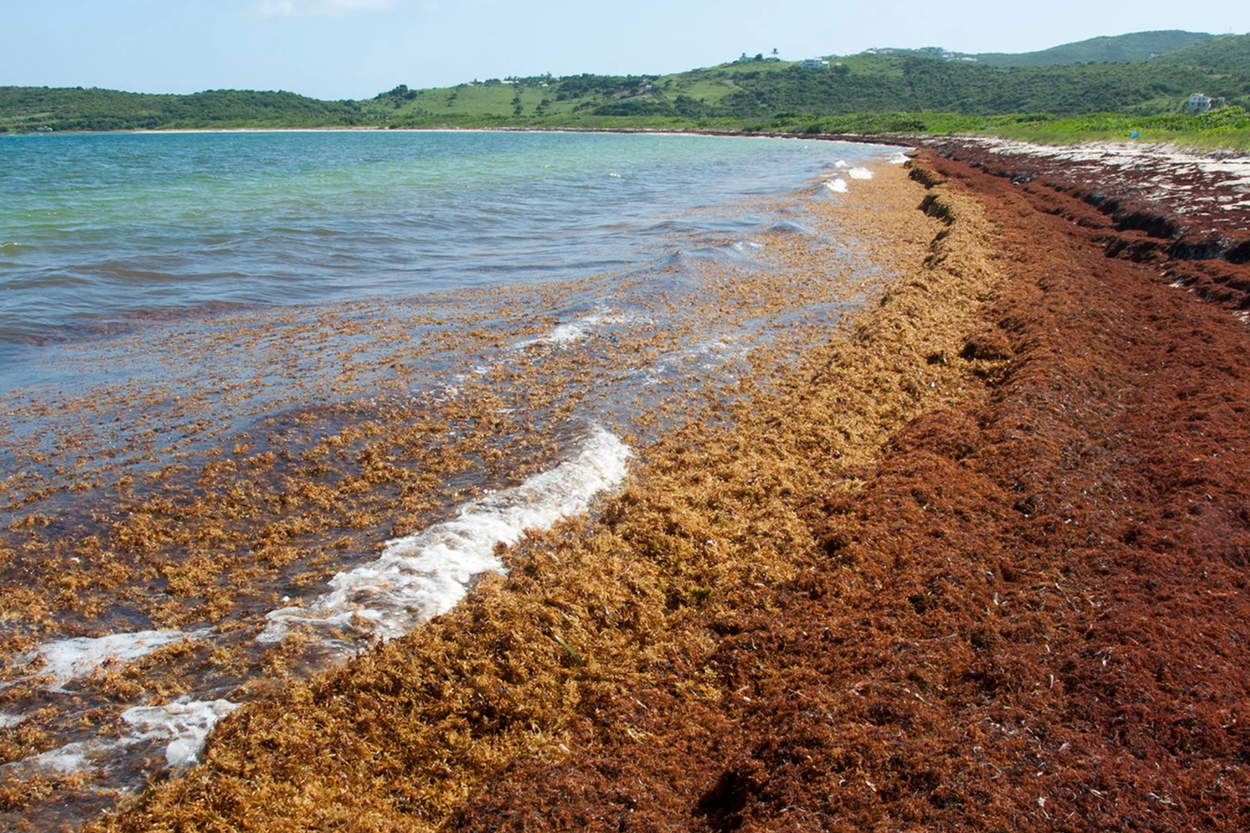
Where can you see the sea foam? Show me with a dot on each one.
(184, 723)
(425, 574)
(71, 659)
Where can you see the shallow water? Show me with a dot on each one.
(104, 228)
(267, 383)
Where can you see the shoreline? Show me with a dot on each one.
(1005, 603)
(653, 563)
(978, 561)
(936, 141)
(218, 498)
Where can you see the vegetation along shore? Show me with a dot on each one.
(1102, 88)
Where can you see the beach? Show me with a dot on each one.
(207, 505)
(971, 557)
(611, 605)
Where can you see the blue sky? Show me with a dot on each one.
(357, 48)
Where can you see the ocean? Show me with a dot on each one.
(268, 397)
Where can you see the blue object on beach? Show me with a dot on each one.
(1134, 134)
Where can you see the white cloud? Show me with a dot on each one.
(293, 8)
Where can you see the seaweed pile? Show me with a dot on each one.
(180, 541)
(623, 610)
(978, 561)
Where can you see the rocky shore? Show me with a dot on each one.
(979, 563)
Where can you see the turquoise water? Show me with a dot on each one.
(100, 228)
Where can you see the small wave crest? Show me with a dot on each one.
(71, 659)
(185, 724)
(425, 574)
(563, 335)
(788, 227)
(571, 332)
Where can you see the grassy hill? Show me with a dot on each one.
(752, 91)
(1224, 53)
(1137, 46)
(749, 94)
(28, 108)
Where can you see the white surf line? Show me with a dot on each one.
(838, 183)
(569, 333)
(72, 659)
(563, 335)
(425, 574)
(185, 724)
(67, 759)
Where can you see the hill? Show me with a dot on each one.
(1137, 46)
(747, 94)
(1224, 52)
(744, 92)
(23, 109)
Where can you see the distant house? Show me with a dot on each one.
(814, 63)
(969, 59)
(1198, 103)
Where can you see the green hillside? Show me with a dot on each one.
(1225, 52)
(752, 91)
(750, 94)
(28, 108)
(1137, 46)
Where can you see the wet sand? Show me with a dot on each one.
(978, 561)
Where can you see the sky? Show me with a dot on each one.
(336, 49)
